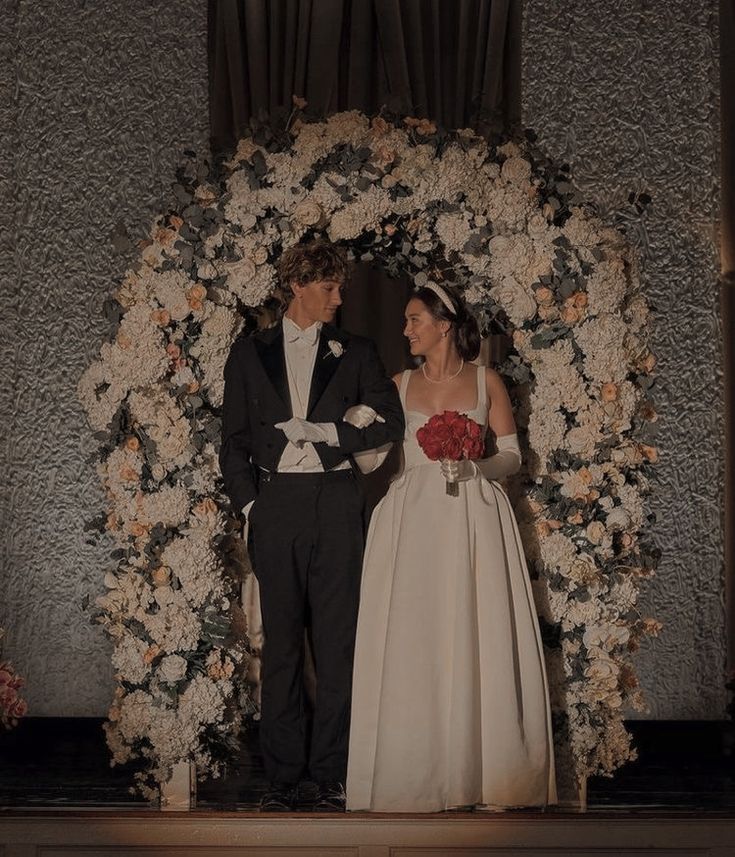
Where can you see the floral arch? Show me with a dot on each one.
(499, 221)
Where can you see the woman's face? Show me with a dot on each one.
(422, 330)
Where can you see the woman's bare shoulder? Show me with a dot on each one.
(493, 378)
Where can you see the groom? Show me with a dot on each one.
(301, 398)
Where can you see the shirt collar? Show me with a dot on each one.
(293, 333)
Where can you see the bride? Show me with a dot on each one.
(450, 704)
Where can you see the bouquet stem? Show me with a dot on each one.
(452, 488)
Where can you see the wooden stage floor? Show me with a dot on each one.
(60, 798)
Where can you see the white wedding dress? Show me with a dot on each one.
(450, 705)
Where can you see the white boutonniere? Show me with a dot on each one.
(336, 348)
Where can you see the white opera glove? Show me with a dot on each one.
(361, 416)
(300, 431)
(458, 471)
(506, 461)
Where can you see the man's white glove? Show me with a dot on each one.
(458, 471)
(300, 431)
(361, 416)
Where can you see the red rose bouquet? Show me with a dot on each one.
(451, 436)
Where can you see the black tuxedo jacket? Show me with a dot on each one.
(257, 396)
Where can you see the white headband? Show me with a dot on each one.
(442, 295)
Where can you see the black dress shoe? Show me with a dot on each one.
(330, 797)
(306, 794)
(279, 797)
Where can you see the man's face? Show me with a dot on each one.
(319, 300)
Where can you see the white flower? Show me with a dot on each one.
(605, 636)
(336, 347)
(515, 300)
(196, 566)
(127, 658)
(308, 212)
(172, 668)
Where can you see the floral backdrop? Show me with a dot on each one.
(495, 219)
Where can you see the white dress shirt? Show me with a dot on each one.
(300, 347)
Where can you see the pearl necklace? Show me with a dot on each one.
(442, 380)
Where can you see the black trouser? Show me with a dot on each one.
(308, 540)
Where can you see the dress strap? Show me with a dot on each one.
(404, 386)
(481, 390)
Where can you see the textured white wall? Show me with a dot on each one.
(98, 101)
(627, 93)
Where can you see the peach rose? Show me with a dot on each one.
(161, 317)
(580, 299)
(165, 237)
(176, 221)
(205, 507)
(544, 296)
(197, 292)
(173, 351)
(652, 627)
(543, 529)
(609, 392)
(648, 362)
(379, 127)
(161, 576)
(132, 443)
(570, 314)
(649, 452)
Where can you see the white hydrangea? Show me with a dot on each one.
(157, 412)
(196, 566)
(170, 290)
(175, 627)
(128, 659)
(602, 341)
(172, 669)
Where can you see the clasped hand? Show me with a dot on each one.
(458, 471)
(361, 416)
(300, 431)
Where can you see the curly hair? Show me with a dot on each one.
(307, 263)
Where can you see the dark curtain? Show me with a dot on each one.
(453, 61)
(727, 292)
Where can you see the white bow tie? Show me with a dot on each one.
(308, 336)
